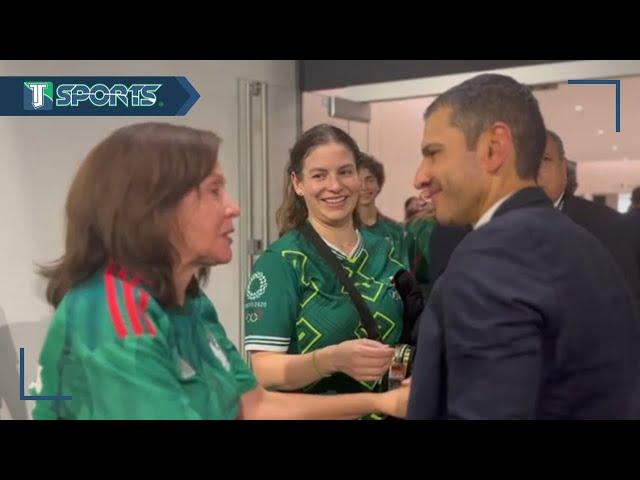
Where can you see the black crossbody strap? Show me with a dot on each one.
(365, 315)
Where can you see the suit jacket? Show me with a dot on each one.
(442, 243)
(610, 227)
(531, 320)
(632, 220)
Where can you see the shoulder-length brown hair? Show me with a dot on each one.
(121, 202)
(293, 210)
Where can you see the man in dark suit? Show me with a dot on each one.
(531, 319)
(604, 223)
(444, 240)
(572, 177)
(632, 219)
(634, 208)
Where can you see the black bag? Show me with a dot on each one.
(414, 303)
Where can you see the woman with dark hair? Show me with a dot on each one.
(302, 328)
(133, 334)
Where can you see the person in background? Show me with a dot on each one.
(604, 223)
(414, 206)
(371, 173)
(572, 177)
(632, 219)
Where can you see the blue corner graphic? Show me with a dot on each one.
(604, 82)
(193, 96)
(35, 397)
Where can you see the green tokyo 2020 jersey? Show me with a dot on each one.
(120, 355)
(393, 232)
(295, 303)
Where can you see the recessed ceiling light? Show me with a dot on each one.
(578, 108)
(600, 132)
(615, 148)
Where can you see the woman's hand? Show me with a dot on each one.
(395, 402)
(363, 359)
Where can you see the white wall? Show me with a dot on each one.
(395, 136)
(38, 157)
(608, 176)
(315, 112)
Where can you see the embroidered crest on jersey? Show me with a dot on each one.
(257, 286)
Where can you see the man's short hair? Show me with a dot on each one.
(485, 99)
(558, 141)
(374, 166)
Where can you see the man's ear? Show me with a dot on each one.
(497, 146)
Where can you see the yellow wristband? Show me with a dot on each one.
(315, 365)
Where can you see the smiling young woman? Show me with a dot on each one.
(302, 329)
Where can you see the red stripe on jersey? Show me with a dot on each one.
(112, 299)
(135, 280)
(130, 303)
(144, 303)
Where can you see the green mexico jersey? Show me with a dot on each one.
(295, 303)
(119, 355)
(419, 231)
(393, 232)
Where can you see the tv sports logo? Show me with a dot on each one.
(38, 96)
(63, 96)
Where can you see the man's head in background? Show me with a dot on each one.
(552, 175)
(412, 205)
(372, 175)
(415, 207)
(635, 198)
(572, 177)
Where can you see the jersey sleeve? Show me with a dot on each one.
(271, 304)
(47, 382)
